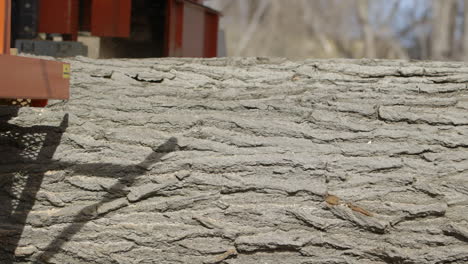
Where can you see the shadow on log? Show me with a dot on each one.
(28, 152)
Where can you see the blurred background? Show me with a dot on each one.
(295, 29)
(298, 29)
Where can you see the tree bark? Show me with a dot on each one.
(240, 160)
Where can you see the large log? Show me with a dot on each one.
(247, 160)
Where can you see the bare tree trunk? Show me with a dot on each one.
(328, 28)
(465, 32)
(312, 21)
(244, 7)
(255, 21)
(369, 36)
(423, 44)
(443, 26)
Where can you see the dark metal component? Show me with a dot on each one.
(52, 48)
(24, 19)
(85, 15)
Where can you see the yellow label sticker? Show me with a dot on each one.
(66, 71)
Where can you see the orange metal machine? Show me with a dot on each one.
(135, 28)
(28, 81)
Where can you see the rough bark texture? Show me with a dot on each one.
(231, 161)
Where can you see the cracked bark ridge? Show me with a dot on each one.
(231, 161)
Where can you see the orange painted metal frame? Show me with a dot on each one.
(103, 18)
(59, 16)
(5, 26)
(22, 77)
(111, 18)
(211, 35)
(29, 78)
(174, 29)
(191, 29)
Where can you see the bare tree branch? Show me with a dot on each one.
(369, 36)
(465, 31)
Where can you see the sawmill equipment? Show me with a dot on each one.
(28, 81)
(125, 28)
